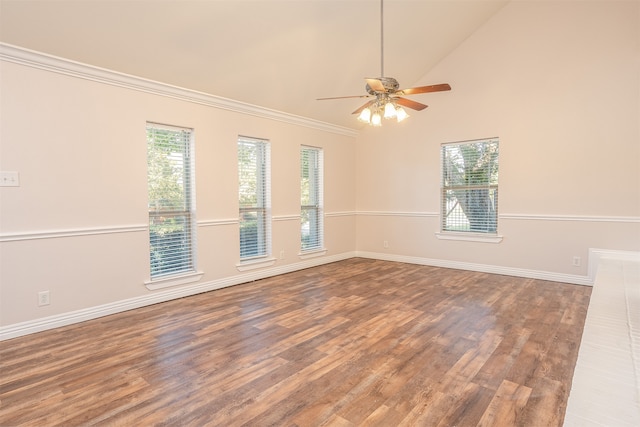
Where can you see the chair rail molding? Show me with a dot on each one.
(573, 218)
(73, 232)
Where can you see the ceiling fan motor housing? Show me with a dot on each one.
(390, 84)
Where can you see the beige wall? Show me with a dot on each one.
(558, 83)
(77, 225)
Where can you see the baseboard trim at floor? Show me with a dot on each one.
(64, 319)
(155, 297)
(483, 268)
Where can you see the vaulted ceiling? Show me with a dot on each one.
(278, 54)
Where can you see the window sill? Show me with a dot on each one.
(177, 280)
(312, 253)
(470, 237)
(255, 264)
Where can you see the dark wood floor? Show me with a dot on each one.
(358, 342)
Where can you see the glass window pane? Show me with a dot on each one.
(470, 186)
(311, 198)
(253, 193)
(169, 194)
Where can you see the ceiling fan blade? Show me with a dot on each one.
(359, 110)
(410, 104)
(424, 89)
(376, 85)
(344, 97)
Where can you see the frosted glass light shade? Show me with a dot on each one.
(389, 110)
(401, 114)
(376, 119)
(365, 115)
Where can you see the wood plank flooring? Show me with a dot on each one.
(355, 343)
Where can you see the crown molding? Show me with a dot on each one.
(54, 64)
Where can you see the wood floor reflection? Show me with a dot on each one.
(357, 342)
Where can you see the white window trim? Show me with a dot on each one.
(312, 253)
(469, 237)
(254, 264)
(249, 263)
(186, 276)
(318, 207)
(174, 280)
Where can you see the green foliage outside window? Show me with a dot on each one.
(168, 169)
(470, 186)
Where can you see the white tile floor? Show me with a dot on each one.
(606, 381)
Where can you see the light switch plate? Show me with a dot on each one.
(9, 179)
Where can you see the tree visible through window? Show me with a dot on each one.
(311, 198)
(169, 178)
(254, 197)
(470, 186)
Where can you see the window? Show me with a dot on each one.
(470, 186)
(170, 190)
(311, 198)
(254, 196)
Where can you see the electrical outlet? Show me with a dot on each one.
(43, 298)
(385, 244)
(282, 254)
(577, 261)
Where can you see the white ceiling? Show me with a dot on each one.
(279, 54)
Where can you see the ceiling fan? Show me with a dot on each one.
(388, 100)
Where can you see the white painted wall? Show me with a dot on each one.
(77, 224)
(558, 83)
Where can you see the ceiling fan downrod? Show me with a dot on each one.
(388, 99)
(381, 38)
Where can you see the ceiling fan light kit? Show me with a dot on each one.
(388, 103)
(386, 109)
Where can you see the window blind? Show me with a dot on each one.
(170, 196)
(469, 199)
(254, 197)
(311, 192)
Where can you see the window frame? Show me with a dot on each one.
(316, 201)
(262, 208)
(488, 183)
(182, 265)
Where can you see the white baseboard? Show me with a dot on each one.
(38, 325)
(484, 268)
(64, 319)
